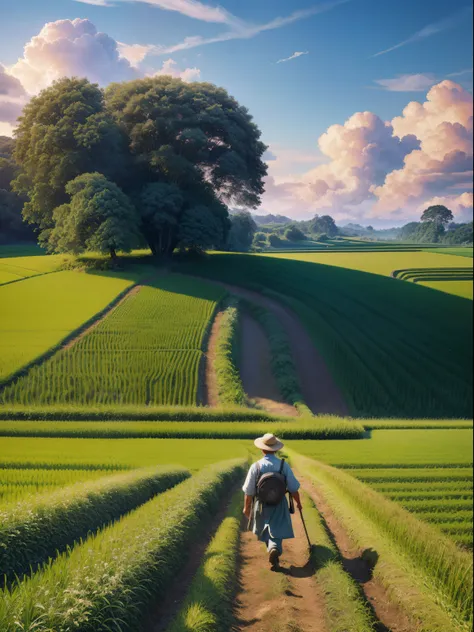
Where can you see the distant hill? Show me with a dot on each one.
(271, 219)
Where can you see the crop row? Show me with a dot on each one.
(147, 351)
(317, 428)
(36, 528)
(442, 497)
(108, 581)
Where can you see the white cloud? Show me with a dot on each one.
(195, 9)
(294, 56)
(96, 3)
(12, 99)
(430, 30)
(134, 53)
(408, 83)
(385, 171)
(70, 48)
(170, 67)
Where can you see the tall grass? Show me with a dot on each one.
(446, 569)
(108, 582)
(230, 390)
(208, 606)
(38, 527)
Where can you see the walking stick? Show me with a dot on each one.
(306, 530)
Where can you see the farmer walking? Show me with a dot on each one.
(266, 506)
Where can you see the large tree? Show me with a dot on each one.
(438, 214)
(63, 132)
(324, 224)
(99, 217)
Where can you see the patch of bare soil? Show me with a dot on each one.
(255, 369)
(286, 600)
(360, 565)
(211, 392)
(131, 292)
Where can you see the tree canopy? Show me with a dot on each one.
(177, 152)
(324, 224)
(294, 234)
(242, 232)
(438, 214)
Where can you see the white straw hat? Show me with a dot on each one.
(269, 443)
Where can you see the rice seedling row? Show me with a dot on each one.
(35, 529)
(147, 351)
(443, 497)
(110, 580)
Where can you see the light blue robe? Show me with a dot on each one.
(277, 520)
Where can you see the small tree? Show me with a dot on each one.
(200, 229)
(99, 217)
(275, 241)
(294, 234)
(323, 224)
(438, 214)
(323, 238)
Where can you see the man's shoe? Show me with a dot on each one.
(274, 558)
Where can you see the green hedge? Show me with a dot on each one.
(298, 428)
(34, 529)
(110, 581)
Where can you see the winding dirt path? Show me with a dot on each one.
(255, 369)
(287, 600)
(318, 387)
(210, 390)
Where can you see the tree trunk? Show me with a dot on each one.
(113, 254)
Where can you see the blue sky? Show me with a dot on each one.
(293, 102)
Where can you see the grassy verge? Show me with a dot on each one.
(283, 366)
(423, 571)
(417, 424)
(314, 428)
(229, 385)
(132, 413)
(345, 609)
(37, 528)
(108, 582)
(208, 606)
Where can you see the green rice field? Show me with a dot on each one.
(26, 333)
(147, 351)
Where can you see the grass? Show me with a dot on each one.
(422, 570)
(147, 351)
(458, 288)
(323, 428)
(32, 320)
(208, 605)
(109, 581)
(230, 390)
(344, 607)
(17, 268)
(118, 453)
(395, 448)
(282, 363)
(396, 349)
(33, 530)
(459, 252)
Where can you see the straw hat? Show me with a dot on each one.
(269, 443)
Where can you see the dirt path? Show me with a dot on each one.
(318, 387)
(255, 369)
(210, 390)
(288, 600)
(389, 617)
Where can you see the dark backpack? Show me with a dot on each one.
(271, 487)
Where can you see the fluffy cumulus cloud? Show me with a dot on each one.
(389, 170)
(68, 48)
(73, 48)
